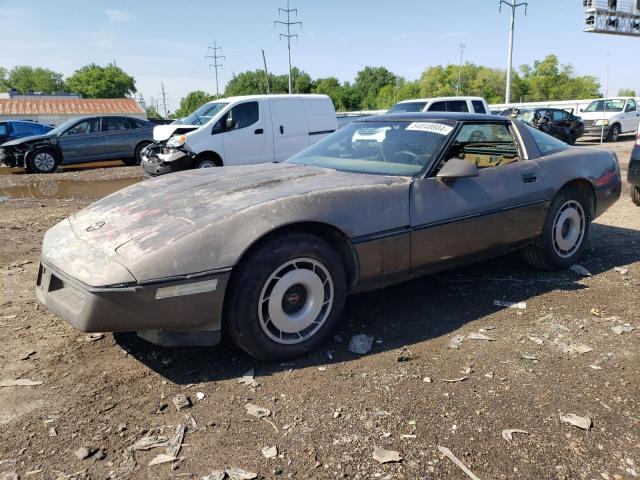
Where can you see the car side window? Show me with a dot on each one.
(3, 128)
(631, 106)
(559, 115)
(138, 124)
(457, 106)
(478, 106)
(87, 126)
(111, 124)
(546, 143)
(484, 144)
(438, 107)
(244, 115)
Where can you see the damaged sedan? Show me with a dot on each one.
(265, 255)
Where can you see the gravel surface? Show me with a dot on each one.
(448, 368)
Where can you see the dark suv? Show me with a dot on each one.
(633, 175)
(558, 123)
(13, 129)
(78, 141)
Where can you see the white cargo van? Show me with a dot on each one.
(239, 131)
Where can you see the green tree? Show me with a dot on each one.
(547, 79)
(4, 80)
(369, 81)
(247, 83)
(28, 79)
(623, 92)
(152, 112)
(94, 81)
(191, 102)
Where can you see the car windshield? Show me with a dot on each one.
(526, 116)
(379, 147)
(63, 126)
(407, 107)
(611, 106)
(203, 114)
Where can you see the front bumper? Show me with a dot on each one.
(596, 131)
(12, 159)
(187, 305)
(155, 163)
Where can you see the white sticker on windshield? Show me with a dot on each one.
(438, 128)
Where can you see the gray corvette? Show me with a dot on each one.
(265, 254)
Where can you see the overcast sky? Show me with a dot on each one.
(165, 41)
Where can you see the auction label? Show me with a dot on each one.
(438, 128)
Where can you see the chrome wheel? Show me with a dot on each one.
(295, 301)
(206, 164)
(568, 229)
(44, 162)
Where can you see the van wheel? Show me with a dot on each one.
(635, 195)
(42, 161)
(208, 161)
(564, 234)
(614, 133)
(286, 297)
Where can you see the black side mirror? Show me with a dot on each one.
(457, 168)
(229, 124)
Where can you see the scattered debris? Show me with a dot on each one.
(595, 312)
(53, 432)
(162, 458)
(149, 442)
(580, 270)
(487, 328)
(456, 341)
(10, 317)
(27, 355)
(199, 396)
(526, 356)
(11, 475)
(83, 453)
(236, 473)
(427, 380)
(175, 443)
(270, 452)
(516, 305)
(536, 340)
(181, 401)
(19, 382)
(571, 348)
(257, 411)
(215, 475)
(447, 453)
(405, 355)
(596, 367)
(454, 380)
(248, 380)
(584, 423)
(507, 433)
(621, 270)
(191, 422)
(386, 456)
(480, 336)
(361, 344)
(92, 337)
(620, 329)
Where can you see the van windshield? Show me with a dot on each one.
(203, 114)
(380, 148)
(611, 106)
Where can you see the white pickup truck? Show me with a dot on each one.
(611, 117)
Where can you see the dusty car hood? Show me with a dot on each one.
(154, 214)
(164, 132)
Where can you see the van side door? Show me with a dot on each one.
(290, 129)
(245, 136)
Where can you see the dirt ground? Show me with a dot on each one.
(328, 411)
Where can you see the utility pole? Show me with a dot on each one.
(164, 100)
(215, 63)
(266, 72)
(462, 47)
(513, 6)
(288, 35)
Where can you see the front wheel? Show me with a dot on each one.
(42, 161)
(137, 155)
(614, 133)
(286, 298)
(564, 233)
(207, 162)
(635, 195)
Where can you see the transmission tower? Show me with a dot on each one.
(163, 94)
(513, 6)
(288, 11)
(216, 65)
(461, 46)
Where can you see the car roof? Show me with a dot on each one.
(439, 99)
(422, 116)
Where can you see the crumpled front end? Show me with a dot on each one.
(158, 159)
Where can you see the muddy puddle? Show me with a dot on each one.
(66, 189)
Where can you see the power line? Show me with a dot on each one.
(288, 35)
(462, 47)
(266, 72)
(513, 6)
(215, 63)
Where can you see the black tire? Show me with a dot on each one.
(635, 195)
(571, 139)
(42, 161)
(137, 155)
(614, 133)
(253, 282)
(544, 253)
(207, 161)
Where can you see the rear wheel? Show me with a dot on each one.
(286, 297)
(614, 133)
(564, 233)
(42, 161)
(635, 195)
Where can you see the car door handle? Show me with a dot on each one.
(259, 131)
(282, 129)
(529, 177)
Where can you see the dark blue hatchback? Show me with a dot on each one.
(10, 130)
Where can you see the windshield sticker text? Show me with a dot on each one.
(438, 128)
